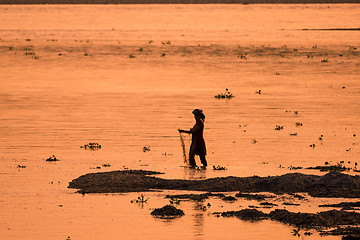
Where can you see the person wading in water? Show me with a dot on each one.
(197, 142)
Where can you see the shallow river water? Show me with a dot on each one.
(129, 76)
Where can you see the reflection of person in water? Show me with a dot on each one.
(197, 143)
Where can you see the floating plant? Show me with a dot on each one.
(166, 42)
(325, 60)
(258, 92)
(226, 94)
(174, 201)
(21, 166)
(298, 124)
(106, 165)
(338, 167)
(92, 146)
(200, 206)
(11, 48)
(146, 149)
(131, 56)
(52, 159)
(28, 39)
(312, 145)
(296, 232)
(140, 199)
(243, 56)
(278, 127)
(218, 167)
(293, 134)
(295, 168)
(163, 55)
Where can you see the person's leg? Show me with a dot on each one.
(203, 160)
(192, 156)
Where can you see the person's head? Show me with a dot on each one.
(198, 114)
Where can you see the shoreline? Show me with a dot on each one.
(244, 2)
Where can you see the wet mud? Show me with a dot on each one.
(317, 221)
(195, 197)
(167, 211)
(333, 184)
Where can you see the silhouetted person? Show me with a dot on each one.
(197, 141)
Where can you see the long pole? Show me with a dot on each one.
(183, 148)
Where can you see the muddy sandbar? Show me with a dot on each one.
(333, 184)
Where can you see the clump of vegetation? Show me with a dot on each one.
(174, 201)
(106, 165)
(131, 56)
(29, 53)
(278, 127)
(146, 149)
(338, 167)
(352, 47)
(11, 48)
(202, 207)
(218, 167)
(166, 42)
(325, 60)
(298, 124)
(21, 166)
(52, 159)
(140, 199)
(243, 56)
(226, 94)
(92, 146)
(258, 92)
(293, 134)
(296, 232)
(295, 168)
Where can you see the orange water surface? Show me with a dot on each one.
(129, 76)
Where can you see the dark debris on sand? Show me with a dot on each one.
(246, 214)
(333, 184)
(167, 211)
(318, 221)
(248, 196)
(196, 197)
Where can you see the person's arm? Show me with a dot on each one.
(184, 131)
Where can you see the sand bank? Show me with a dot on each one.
(333, 184)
